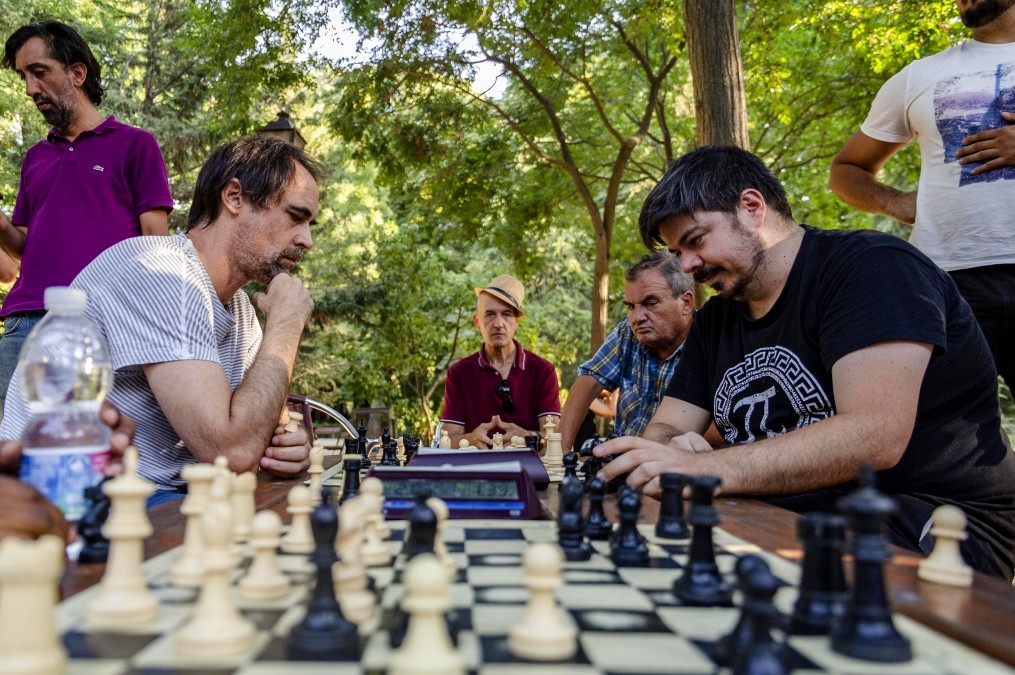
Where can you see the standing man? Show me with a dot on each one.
(823, 350)
(91, 183)
(960, 104)
(502, 388)
(639, 355)
(192, 365)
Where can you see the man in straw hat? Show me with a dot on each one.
(502, 388)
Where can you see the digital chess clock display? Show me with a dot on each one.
(461, 488)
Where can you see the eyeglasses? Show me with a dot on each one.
(504, 391)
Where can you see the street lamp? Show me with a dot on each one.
(284, 129)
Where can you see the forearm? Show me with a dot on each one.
(583, 392)
(860, 189)
(12, 238)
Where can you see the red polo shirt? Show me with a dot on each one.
(471, 398)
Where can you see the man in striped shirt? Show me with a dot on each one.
(192, 365)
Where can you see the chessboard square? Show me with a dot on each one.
(297, 566)
(649, 578)
(495, 619)
(596, 596)
(538, 669)
(300, 668)
(96, 667)
(493, 534)
(644, 654)
(501, 595)
(818, 650)
(507, 559)
(495, 576)
(294, 596)
(699, 623)
(104, 645)
(169, 618)
(277, 650)
(264, 619)
(397, 534)
(596, 562)
(591, 576)
(618, 621)
(495, 651)
(163, 653)
(495, 547)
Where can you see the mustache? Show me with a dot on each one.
(704, 273)
(294, 253)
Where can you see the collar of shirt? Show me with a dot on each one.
(108, 125)
(519, 356)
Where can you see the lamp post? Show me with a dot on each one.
(284, 129)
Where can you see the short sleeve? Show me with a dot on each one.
(147, 173)
(888, 120)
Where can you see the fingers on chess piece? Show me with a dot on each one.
(543, 633)
(264, 579)
(427, 648)
(945, 564)
(124, 598)
(29, 577)
(300, 537)
(866, 630)
(702, 584)
(295, 422)
(324, 634)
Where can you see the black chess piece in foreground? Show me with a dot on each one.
(727, 647)
(759, 654)
(702, 584)
(671, 523)
(823, 590)
(597, 526)
(866, 630)
(571, 522)
(422, 525)
(324, 634)
(570, 462)
(627, 546)
(95, 547)
(351, 467)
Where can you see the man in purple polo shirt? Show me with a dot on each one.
(91, 183)
(501, 388)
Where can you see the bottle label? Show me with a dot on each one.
(62, 474)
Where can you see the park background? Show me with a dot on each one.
(467, 138)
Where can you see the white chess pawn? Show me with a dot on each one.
(440, 510)
(374, 551)
(517, 442)
(445, 442)
(463, 444)
(189, 569)
(373, 485)
(945, 564)
(498, 441)
(543, 634)
(295, 422)
(124, 598)
(29, 576)
(242, 499)
(315, 470)
(264, 579)
(216, 628)
(427, 648)
(299, 538)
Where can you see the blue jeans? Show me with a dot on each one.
(17, 326)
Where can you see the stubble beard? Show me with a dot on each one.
(985, 12)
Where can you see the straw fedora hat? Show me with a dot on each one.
(506, 288)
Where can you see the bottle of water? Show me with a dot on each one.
(64, 374)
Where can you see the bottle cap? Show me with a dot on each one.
(65, 300)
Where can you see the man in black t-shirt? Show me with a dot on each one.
(823, 350)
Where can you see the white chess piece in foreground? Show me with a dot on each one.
(543, 634)
(945, 564)
(427, 648)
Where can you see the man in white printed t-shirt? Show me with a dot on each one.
(960, 105)
(192, 365)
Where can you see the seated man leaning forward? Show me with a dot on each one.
(192, 366)
(501, 388)
(823, 350)
(639, 355)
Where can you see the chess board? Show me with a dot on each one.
(629, 620)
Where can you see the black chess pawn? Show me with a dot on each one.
(422, 525)
(727, 647)
(597, 526)
(351, 467)
(627, 546)
(390, 456)
(759, 654)
(364, 447)
(95, 546)
(671, 523)
(823, 590)
(702, 584)
(532, 443)
(589, 445)
(865, 630)
(571, 523)
(410, 445)
(324, 634)
(570, 462)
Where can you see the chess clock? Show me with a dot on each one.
(488, 491)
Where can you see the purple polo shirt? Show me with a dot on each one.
(470, 393)
(79, 198)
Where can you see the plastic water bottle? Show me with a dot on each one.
(64, 374)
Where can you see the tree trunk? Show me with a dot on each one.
(600, 292)
(720, 107)
(713, 46)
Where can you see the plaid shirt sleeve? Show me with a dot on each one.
(607, 365)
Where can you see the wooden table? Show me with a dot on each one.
(982, 617)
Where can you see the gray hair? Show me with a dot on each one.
(667, 265)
